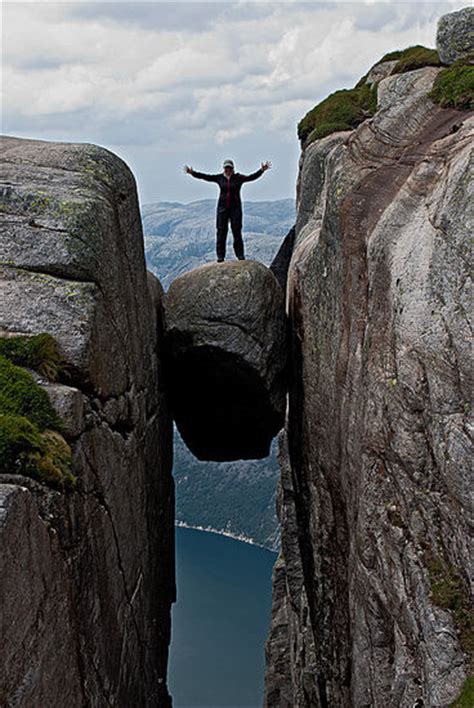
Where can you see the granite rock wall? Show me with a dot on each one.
(87, 574)
(371, 590)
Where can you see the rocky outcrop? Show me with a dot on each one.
(371, 588)
(226, 349)
(95, 565)
(455, 36)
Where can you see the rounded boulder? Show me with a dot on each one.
(226, 359)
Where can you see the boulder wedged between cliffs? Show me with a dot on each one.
(226, 359)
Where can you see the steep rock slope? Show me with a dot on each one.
(370, 590)
(87, 574)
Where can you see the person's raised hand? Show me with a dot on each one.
(266, 165)
(188, 170)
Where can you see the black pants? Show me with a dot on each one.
(234, 215)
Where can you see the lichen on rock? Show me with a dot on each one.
(455, 36)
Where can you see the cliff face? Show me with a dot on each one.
(370, 590)
(87, 574)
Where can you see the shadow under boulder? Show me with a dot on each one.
(226, 359)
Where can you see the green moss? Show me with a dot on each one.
(19, 439)
(346, 109)
(448, 591)
(342, 110)
(391, 56)
(21, 395)
(39, 352)
(54, 464)
(24, 450)
(466, 699)
(454, 87)
(415, 58)
(408, 60)
(30, 430)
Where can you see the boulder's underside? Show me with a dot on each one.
(226, 348)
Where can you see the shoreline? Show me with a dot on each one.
(229, 534)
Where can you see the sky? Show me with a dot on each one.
(167, 84)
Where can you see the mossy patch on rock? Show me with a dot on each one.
(24, 450)
(39, 352)
(31, 442)
(342, 110)
(466, 699)
(19, 439)
(448, 591)
(454, 87)
(20, 395)
(347, 108)
(413, 58)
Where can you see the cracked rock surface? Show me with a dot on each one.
(95, 566)
(376, 486)
(226, 350)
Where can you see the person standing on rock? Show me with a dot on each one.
(229, 206)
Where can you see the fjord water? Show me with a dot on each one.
(220, 621)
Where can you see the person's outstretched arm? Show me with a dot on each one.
(255, 175)
(200, 175)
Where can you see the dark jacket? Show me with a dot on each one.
(229, 187)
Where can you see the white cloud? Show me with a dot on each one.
(204, 76)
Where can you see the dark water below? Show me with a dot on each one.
(220, 621)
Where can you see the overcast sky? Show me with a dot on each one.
(163, 84)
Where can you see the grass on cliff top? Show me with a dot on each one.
(31, 442)
(347, 108)
(412, 58)
(454, 87)
(342, 110)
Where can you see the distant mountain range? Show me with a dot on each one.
(179, 237)
(236, 498)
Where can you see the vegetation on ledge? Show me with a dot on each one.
(454, 87)
(347, 108)
(342, 110)
(44, 456)
(448, 591)
(466, 699)
(39, 352)
(31, 442)
(412, 58)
